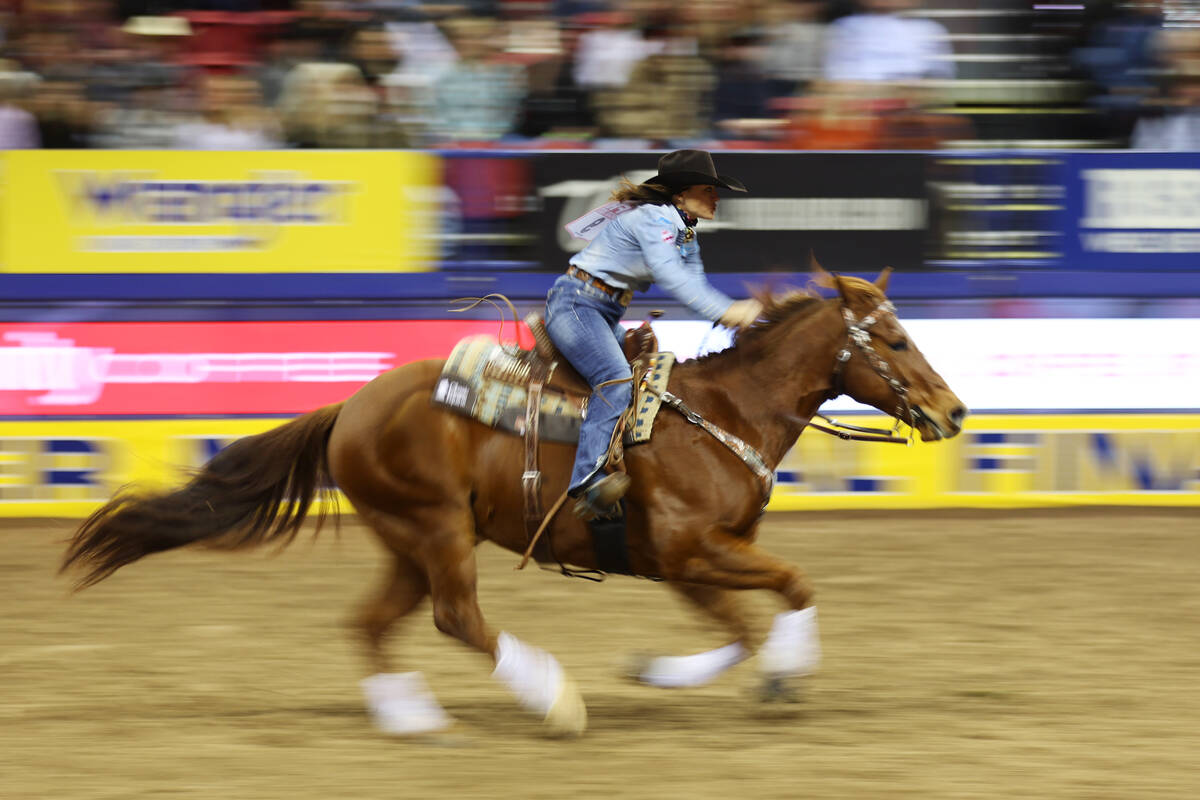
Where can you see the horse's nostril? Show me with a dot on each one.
(958, 415)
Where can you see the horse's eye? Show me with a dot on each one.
(900, 345)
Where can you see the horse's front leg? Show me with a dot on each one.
(720, 559)
(675, 672)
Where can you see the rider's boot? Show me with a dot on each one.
(601, 497)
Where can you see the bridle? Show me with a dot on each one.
(858, 336)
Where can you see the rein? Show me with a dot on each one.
(858, 334)
(843, 431)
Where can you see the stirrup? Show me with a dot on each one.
(601, 498)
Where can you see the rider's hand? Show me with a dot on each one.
(741, 314)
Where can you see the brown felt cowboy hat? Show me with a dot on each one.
(683, 168)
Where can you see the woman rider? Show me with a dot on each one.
(651, 240)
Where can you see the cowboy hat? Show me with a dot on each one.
(683, 168)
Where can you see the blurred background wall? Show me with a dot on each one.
(215, 214)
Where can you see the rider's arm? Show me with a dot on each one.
(681, 276)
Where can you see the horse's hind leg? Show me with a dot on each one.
(400, 702)
(402, 591)
(673, 672)
(533, 675)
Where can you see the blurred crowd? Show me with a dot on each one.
(796, 74)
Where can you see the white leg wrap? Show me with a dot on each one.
(532, 674)
(675, 672)
(537, 680)
(401, 704)
(792, 647)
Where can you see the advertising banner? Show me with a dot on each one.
(853, 211)
(1028, 365)
(195, 368)
(69, 467)
(111, 211)
(1132, 211)
(1004, 461)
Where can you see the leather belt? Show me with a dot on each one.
(622, 296)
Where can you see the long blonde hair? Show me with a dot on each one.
(641, 193)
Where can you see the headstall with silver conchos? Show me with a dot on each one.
(858, 334)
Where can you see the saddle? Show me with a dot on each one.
(536, 394)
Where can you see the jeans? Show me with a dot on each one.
(585, 325)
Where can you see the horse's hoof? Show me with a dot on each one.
(401, 704)
(403, 724)
(567, 718)
(778, 689)
(635, 667)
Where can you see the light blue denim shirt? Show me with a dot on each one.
(646, 246)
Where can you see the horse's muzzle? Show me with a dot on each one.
(934, 426)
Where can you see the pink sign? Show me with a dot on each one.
(174, 368)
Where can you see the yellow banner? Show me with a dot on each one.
(1003, 461)
(269, 211)
(67, 468)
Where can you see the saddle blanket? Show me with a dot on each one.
(488, 381)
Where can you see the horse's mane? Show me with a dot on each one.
(783, 307)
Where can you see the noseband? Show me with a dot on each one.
(858, 334)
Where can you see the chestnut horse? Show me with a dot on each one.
(432, 484)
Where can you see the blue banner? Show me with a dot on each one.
(1132, 211)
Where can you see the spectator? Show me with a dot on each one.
(882, 44)
(64, 116)
(556, 105)
(141, 121)
(371, 51)
(1177, 125)
(327, 105)
(742, 95)
(18, 128)
(54, 54)
(668, 95)
(1123, 58)
(479, 98)
(233, 118)
(145, 53)
(423, 55)
(794, 45)
(423, 50)
(281, 54)
(666, 100)
(607, 54)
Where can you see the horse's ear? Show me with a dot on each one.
(881, 283)
(819, 276)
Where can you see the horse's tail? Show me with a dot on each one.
(257, 490)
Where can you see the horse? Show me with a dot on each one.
(432, 484)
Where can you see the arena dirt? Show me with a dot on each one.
(967, 655)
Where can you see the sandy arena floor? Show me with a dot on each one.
(1037, 655)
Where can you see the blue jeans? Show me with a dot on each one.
(585, 325)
